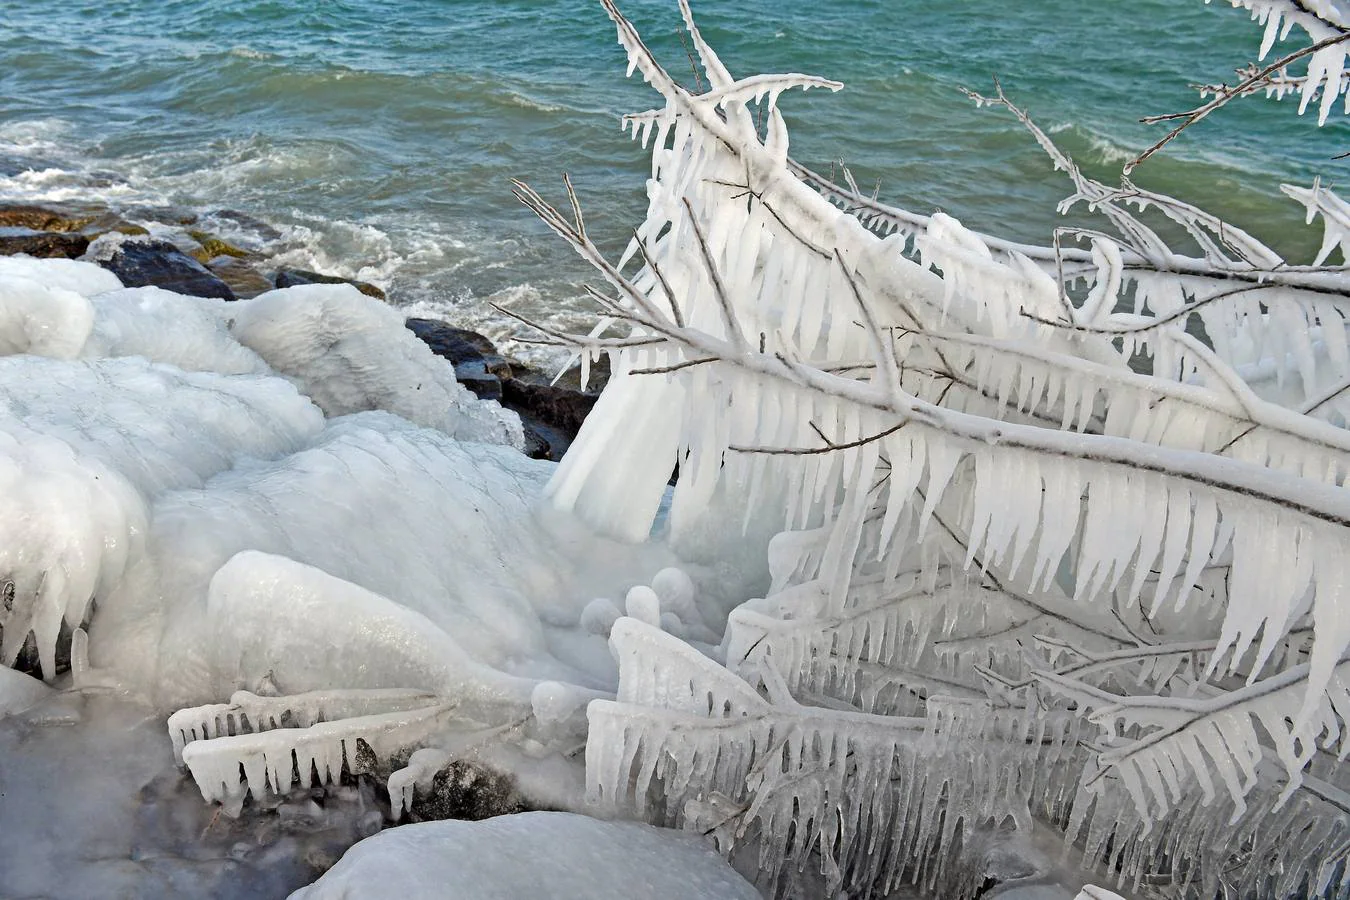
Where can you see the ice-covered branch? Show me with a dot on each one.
(972, 494)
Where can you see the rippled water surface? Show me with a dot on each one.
(377, 139)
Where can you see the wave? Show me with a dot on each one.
(250, 53)
(520, 100)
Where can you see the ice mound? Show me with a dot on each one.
(42, 320)
(350, 353)
(191, 333)
(312, 631)
(541, 854)
(70, 526)
(447, 529)
(156, 425)
(83, 278)
(285, 514)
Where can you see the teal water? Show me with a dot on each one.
(376, 138)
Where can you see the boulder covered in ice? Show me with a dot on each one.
(191, 333)
(350, 353)
(531, 855)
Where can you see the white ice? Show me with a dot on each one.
(543, 854)
(19, 691)
(191, 333)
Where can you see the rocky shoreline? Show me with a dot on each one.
(163, 248)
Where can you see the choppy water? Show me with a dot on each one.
(377, 137)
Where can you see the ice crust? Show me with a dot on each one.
(19, 691)
(543, 854)
(40, 319)
(83, 278)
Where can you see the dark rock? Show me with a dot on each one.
(250, 224)
(477, 364)
(45, 244)
(245, 280)
(455, 344)
(598, 376)
(88, 221)
(554, 414)
(465, 790)
(476, 377)
(290, 277)
(561, 408)
(212, 246)
(42, 218)
(551, 415)
(537, 446)
(167, 215)
(159, 263)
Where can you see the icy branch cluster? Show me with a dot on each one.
(1060, 529)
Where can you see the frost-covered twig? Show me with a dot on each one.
(1257, 78)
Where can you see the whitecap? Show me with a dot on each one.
(250, 53)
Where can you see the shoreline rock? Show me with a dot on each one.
(142, 262)
(204, 265)
(552, 414)
(42, 244)
(285, 278)
(90, 221)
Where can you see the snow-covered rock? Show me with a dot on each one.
(191, 333)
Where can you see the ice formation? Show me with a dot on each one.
(190, 333)
(289, 494)
(1113, 595)
(543, 854)
(1004, 580)
(83, 278)
(19, 691)
(42, 320)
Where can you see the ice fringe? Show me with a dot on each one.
(330, 730)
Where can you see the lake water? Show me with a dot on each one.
(376, 139)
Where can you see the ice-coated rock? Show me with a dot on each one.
(40, 319)
(350, 353)
(531, 855)
(188, 332)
